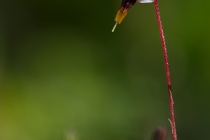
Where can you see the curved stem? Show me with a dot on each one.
(168, 77)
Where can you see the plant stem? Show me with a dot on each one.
(168, 77)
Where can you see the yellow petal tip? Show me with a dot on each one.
(121, 14)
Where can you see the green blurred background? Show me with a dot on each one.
(63, 74)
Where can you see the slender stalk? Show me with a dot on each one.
(168, 77)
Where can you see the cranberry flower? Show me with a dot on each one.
(121, 14)
(125, 6)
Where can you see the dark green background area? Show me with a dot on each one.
(63, 74)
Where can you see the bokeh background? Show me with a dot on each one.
(65, 76)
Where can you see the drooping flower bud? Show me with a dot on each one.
(125, 6)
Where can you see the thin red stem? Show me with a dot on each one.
(168, 77)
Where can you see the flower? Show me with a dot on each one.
(125, 6)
